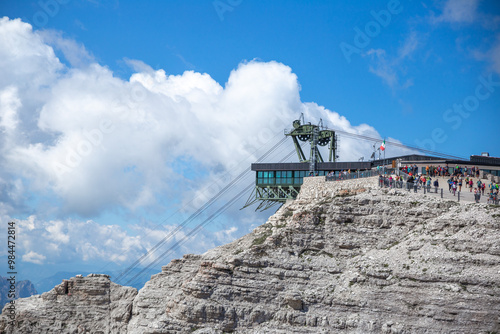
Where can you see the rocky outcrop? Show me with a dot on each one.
(345, 257)
(91, 304)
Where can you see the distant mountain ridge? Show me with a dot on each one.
(23, 289)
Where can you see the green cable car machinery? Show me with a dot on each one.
(279, 182)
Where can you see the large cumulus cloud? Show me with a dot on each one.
(73, 133)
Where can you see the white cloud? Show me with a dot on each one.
(74, 241)
(491, 55)
(458, 11)
(225, 236)
(467, 12)
(410, 45)
(494, 55)
(9, 104)
(57, 232)
(92, 142)
(138, 65)
(97, 141)
(21, 46)
(382, 67)
(391, 68)
(63, 241)
(73, 52)
(33, 257)
(483, 15)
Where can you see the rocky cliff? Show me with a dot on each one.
(345, 257)
(91, 304)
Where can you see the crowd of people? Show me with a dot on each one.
(462, 177)
(443, 171)
(412, 182)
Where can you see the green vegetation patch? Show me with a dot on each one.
(288, 213)
(260, 240)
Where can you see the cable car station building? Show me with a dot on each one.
(278, 182)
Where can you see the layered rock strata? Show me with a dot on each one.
(345, 257)
(91, 304)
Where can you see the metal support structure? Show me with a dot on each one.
(384, 156)
(316, 135)
(314, 150)
(271, 195)
(300, 153)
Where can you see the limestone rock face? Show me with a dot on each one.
(345, 257)
(91, 304)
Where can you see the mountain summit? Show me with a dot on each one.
(344, 257)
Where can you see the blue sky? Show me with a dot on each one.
(447, 52)
(117, 114)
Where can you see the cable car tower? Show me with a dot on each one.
(316, 135)
(278, 182)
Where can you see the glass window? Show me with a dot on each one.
(259, 174)
(289, 180)
(302, 173)
(278, 174)
(266, 174)
(289, 173)
(271, 174)
(296, 173)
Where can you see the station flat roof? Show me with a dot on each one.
(361, 165)
(327, 166)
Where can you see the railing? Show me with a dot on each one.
(362, 174)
